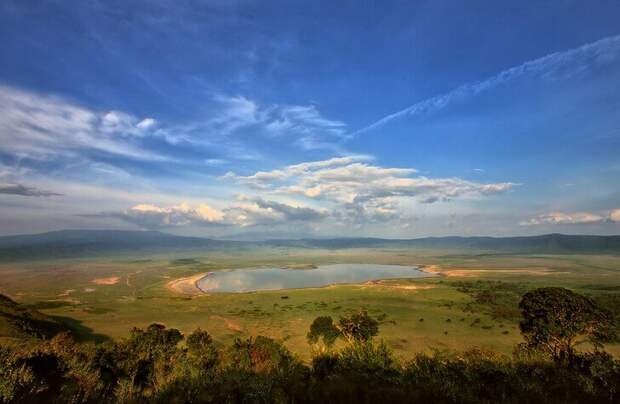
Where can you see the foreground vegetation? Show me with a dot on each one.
(560, 360)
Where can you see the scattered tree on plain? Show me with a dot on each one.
(557, 320)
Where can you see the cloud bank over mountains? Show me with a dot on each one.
(246, 212)
(573, 218)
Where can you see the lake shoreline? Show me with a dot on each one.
(188, 285)
(368, 274)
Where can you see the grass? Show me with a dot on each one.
(474, 305)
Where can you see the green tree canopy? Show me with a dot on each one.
(261, 355)
(359, 327)
(555, 320)
(323, 330)
(155, 337)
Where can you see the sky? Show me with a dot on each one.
(387, 119)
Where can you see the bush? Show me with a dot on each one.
(324, 365)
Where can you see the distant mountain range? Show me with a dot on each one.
(548, 243)
(86, 243)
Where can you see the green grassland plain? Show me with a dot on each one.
(472, 303)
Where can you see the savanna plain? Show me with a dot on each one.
(468, 300)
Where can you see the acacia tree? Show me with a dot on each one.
(556, 320)
(359, 327)
(323, 333)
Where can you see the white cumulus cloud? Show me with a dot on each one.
(572, 218)
(245, 212)
(153, 216)
(360, 191)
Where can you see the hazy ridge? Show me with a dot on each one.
(85, 243)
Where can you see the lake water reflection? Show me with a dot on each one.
(255, 279)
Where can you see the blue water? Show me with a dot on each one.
(255, 279)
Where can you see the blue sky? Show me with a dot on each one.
(392, 119)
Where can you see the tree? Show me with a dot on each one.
(359, 327)
(556, 320)
(156, 337)
(263, 356)
(201, 349)
(150, 356)
(323, 330)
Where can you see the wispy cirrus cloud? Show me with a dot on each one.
(563, 64)
(304, 123)
(42, 126)
(234, 113)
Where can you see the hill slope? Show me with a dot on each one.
(18, 321)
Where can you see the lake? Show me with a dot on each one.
(256, 279)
